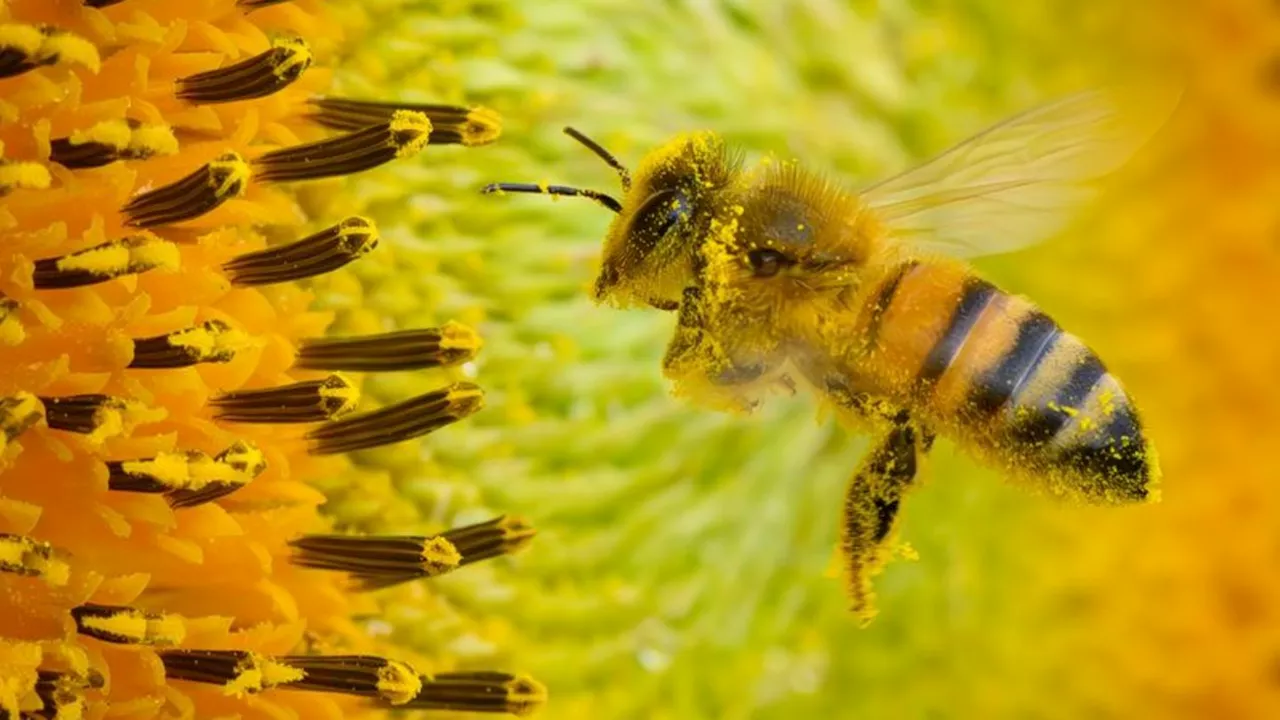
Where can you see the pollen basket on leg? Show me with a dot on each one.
(313, 255)
(404, 135)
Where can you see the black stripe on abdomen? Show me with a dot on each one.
(992, 389)
(1041, 422)
(884, 298)
(974, 298)
(1115, 459)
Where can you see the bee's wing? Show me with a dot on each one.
(1014, 184)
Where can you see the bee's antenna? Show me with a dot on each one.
(602, 198)
(604, 155)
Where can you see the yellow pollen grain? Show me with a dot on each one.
(229, 175)
(111, 419)
(26, 39)
(169, 469)
(115, 133)
(465, 394)
(11, 330)
(205, 342)
(517, 533)
(525, 695)
(56, 572)
(298, 54)
(166, 630)
(1107, 403)
(344, 391)
(205, 470)
(19, 412)
(247, 681)
(277, 673)
(156, 254)
(456, 336)
(72, 49)
(129, 625)
(149, 140)
(23, 176)
(246, 457)
(398, 683)
(106, 261)
(12, 552)
(108, 422)
(257, 673)
(483, 126)
(359, 235)
(439, 556)
(411, 130)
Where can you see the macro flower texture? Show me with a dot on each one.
(216, 497)
(681, 569)
(172, 396)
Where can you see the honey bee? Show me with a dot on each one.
(777, 273)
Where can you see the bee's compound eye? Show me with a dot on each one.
(656, 216)
(766, 263)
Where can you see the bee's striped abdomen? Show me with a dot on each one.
(1006, 377)
(1047, 402)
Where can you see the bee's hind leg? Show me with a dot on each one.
(871, 506)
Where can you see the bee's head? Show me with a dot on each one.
(680, 192)
(798, 237)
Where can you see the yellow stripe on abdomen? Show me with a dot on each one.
(990, 369)
(1046, 404)
(915, 310)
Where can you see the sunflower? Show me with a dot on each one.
(680, 566)
(171, 396)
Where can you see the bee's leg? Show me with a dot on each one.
(702, 367)
(871, 506)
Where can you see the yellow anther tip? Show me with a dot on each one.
(23, 176)
(73, 49)
(410, 131)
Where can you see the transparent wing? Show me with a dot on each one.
(1016, 183)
